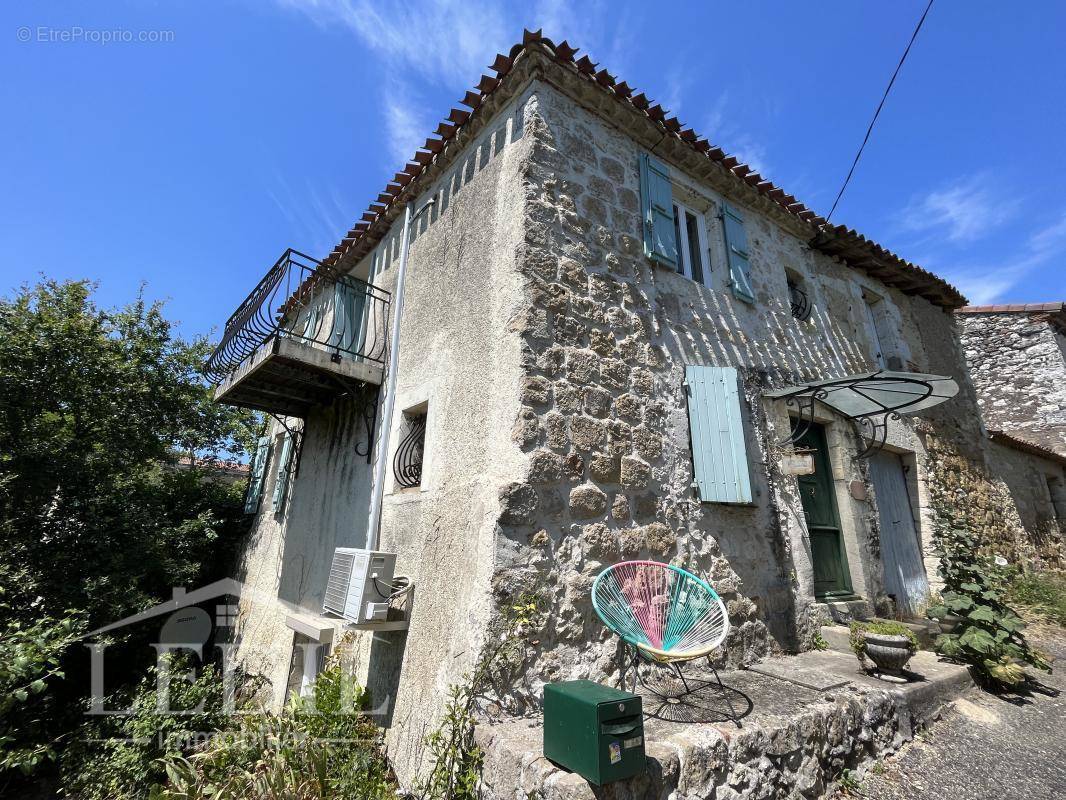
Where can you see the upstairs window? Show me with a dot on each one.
(675, 236)
(736, 248)
(410, 452)
(798, 298)
(874, 308)
(691, 237)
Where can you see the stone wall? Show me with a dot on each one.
(1018, 364)
(605, 337)
(1031, 481)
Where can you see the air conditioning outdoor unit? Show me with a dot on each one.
(360, 585)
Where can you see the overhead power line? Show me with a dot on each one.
(880, 105)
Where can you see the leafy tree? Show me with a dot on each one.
(95, 408)
(96, 519)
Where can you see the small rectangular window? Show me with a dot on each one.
(410, 451)
(691, 238)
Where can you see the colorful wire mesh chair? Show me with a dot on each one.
(664, 614)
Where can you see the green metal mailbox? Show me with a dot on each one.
(594, 730)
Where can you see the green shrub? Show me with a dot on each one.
(322, 746)
(990, 635)
(119, 757)
(32, 647)
(883, 627)
(1043, 594)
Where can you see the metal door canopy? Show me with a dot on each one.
(868, 399)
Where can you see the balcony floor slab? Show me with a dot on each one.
(288, 377)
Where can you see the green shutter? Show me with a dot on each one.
(736, 247)
(657, 206)
(256, 471)
(719, 452)
(281, 483)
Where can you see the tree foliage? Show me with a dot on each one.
(97, 520)
(95, 408)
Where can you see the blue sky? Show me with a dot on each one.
(191, 163)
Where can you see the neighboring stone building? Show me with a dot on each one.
(594, 307)
(1017, 360)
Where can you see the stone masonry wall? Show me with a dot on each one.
(1018, 364)
(603, 420)
(1026, 477)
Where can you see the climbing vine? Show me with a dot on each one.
(988, 635)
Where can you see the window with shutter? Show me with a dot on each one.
(281, 483)
(719, 452)
(348, 300)
(736, 247)
(657, 207)
(256, 471)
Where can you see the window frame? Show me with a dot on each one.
(684, 266)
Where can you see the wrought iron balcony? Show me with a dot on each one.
(304, 335)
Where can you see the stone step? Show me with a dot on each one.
(836, 636)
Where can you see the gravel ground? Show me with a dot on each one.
(986, 747)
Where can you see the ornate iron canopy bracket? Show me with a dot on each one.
(870, 401)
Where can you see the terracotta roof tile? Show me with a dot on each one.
(1011, 308)
(840, 241)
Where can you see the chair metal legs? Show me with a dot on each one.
(625, 663)
(725, 693)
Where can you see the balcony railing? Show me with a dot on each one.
(303, 331)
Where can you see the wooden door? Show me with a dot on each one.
(901, 552)
(832, 579)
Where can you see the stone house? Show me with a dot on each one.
(1016, 356)
(595, 305)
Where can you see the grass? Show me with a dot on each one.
(1041, 594)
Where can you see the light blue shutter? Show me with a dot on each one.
(719, 452)
(281, 484)
(348, 300)
(657, 206)
(255, 475)
(736, 247)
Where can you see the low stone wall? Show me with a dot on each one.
(797, 743)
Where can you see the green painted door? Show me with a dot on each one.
(832, 579)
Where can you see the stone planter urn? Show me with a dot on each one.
(889, 653)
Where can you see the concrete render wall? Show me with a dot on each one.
(1018, 364)
(1036, 487)
(459, 366)
(288, 554)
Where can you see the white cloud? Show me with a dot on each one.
(732, 138)
(405, 120)
(963, 211)
(987, 283)
(445, 41)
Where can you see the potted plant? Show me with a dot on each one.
(889, 645)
